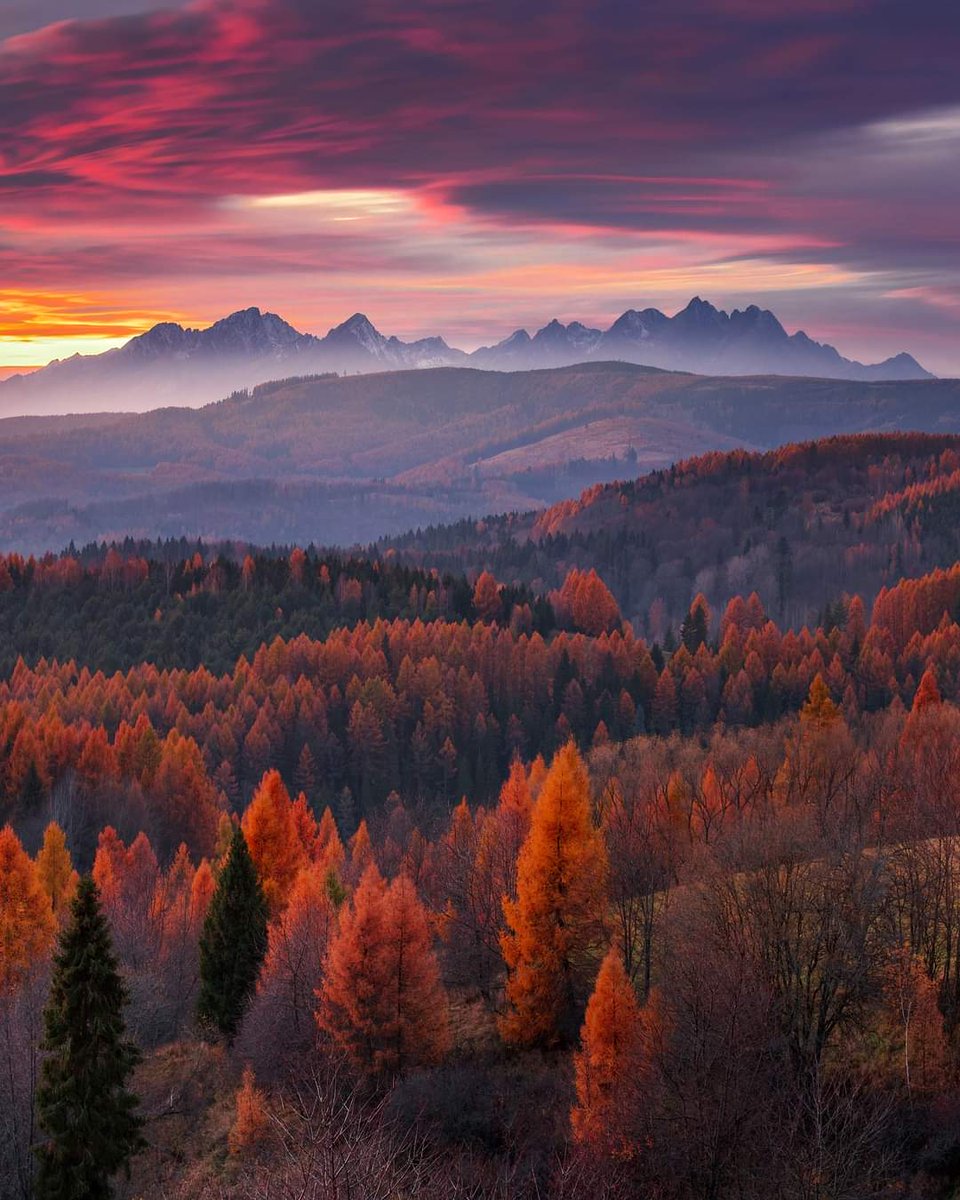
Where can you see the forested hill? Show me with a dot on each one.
(109, 610)
(800, 525)
(348, 460)
(753, 795)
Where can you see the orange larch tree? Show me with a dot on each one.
(486, 597)
(270, 827)
(557, 918)
(535, 777)
(186, 804)
(328, 848)
(306, 825)
(27, 923)
(361, 852)
(928, 693)
(819, 709)
(55, 870)
(587, 603)
(605, 1066)
(252, 1121)
(349, 992)
(201, 893)
(381, 1000)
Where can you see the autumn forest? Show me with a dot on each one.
(389, 876)
(479, 600)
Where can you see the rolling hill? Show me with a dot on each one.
(802, 525)
(344, 460)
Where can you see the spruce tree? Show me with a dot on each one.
(233, 942)
(31, 791)
(87, 1115)
(695, 627)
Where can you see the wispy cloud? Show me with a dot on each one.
(463, 167)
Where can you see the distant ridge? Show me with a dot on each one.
(173, 365)
(699, 338)
(344, 460)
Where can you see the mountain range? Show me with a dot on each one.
(699, 338)
(174, 365)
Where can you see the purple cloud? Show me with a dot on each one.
(804, 132)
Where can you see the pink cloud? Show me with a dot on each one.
(710, 127)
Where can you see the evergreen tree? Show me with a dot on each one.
(89, 1117)
(233, 942)
(31, 791)
(696, 624)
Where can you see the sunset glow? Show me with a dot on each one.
(177, 162)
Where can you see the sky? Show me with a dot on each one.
(468, 168)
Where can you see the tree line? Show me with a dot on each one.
(430, 710)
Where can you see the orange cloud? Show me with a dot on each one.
(37, 326)
(459, 168)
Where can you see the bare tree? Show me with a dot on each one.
(21, 1013)
(331, 1141)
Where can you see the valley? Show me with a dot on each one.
(344, 461)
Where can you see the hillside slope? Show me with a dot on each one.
(339, 460)
(800, 525)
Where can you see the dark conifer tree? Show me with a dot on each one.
(693, 631)
(87, 1115)
(31, 791)
(233, 942)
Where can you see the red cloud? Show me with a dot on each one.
(119, 138)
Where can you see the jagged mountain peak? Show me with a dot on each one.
(757, 320)
(251, 334)
(171, 364)
(700, 312)
(161, 338)
(427, 343)
(359, 333)
(636, 324)
(358, 322)
(161, 329)
(631, 319)
(241, 316)
(248, 318)
(696, 304)
(575, 337)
